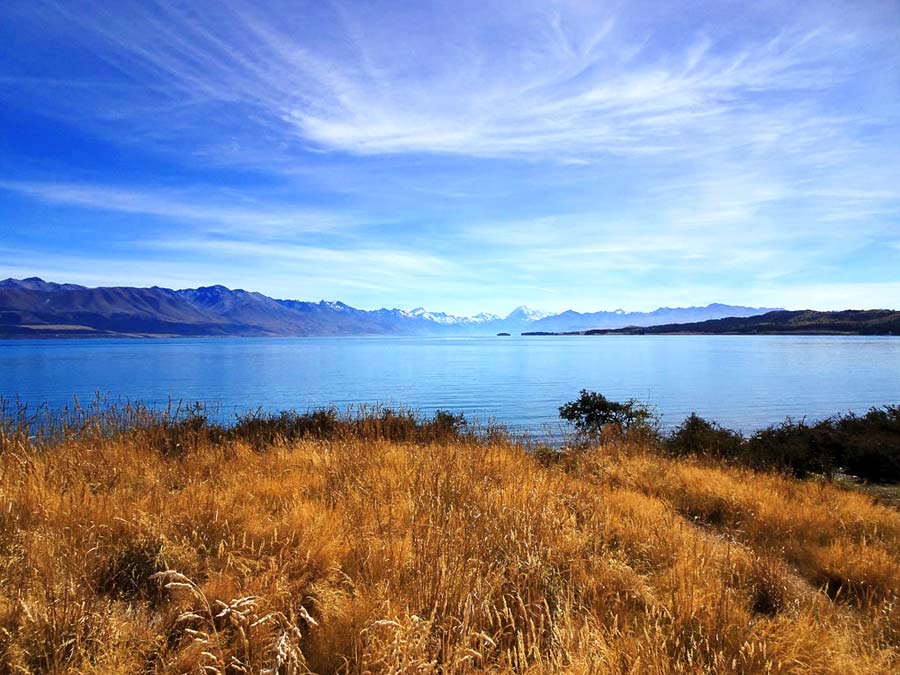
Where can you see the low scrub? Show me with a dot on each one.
(178, 428)
(699, 437)
(866, 446)
(261, 429)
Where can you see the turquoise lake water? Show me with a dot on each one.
(744, 382)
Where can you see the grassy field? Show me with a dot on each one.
(160, 549)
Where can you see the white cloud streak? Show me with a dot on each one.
(368, 262)
(228, 213)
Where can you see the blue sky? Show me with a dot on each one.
(464, 156)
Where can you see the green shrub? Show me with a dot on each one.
(592, 414)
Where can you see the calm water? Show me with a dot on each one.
(742, 382)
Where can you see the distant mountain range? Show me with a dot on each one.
(37, 308)
(781, 322)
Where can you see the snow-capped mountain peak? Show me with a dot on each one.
(450, 319)
(525, 313)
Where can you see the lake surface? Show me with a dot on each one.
(744, 382)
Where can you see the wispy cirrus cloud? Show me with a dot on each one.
(547, 80)
(370, 262)
(229, 211)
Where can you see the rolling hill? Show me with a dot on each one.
(803, 322)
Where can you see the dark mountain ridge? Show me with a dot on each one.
(801, 322)
(157, 311)
(34, 307)
(38, 284)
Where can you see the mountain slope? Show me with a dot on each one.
(245, 308)
(34, 307)
(37, 284)
(803, 322)
(110, 310)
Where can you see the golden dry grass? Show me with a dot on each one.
(356, 556)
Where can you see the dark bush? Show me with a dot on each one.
(877, 462)
(446, 425)
(179, 435)
(871, 444)
(697, 436)
(261, 429)
(866, 446)
(796, 447)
